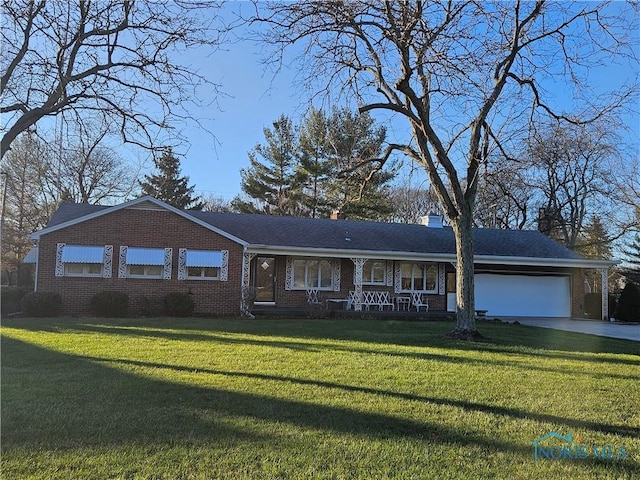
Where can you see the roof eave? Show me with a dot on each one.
(438, 257)
(541, 261)
(348, 253)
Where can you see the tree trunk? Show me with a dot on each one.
(465, 295)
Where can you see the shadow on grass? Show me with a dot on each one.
(213, 331)
(622, 430)
(57, 400)
(309, 347)
(501, 337)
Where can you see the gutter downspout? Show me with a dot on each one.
(35, 275)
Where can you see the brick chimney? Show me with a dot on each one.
(337, 215)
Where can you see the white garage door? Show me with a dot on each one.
(523, 295)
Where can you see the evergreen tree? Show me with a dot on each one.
(359, 187)
(594, 242)
(632, 252)
(270, 179)
(314, 171)
(328, 163)
(167, 184)
(628, 309)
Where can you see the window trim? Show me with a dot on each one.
(334, 275)
(370, 281)
(84, 273)
(124, 271)
(145, 274)
(202, 276)
(428, 265)
(223, 269)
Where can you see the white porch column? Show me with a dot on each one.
(357, 280)
(604, 274)
(245, 287)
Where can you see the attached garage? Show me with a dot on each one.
(523, 295)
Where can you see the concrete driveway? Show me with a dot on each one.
(604, 329)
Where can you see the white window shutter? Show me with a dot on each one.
(182, 264)
(168, 255)
(107, 265)
(59, 265)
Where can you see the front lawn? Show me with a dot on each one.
(205, 399)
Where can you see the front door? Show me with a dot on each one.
(265, 279)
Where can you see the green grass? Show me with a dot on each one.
(200, 399)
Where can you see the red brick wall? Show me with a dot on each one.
(577, 293)
(141, 228)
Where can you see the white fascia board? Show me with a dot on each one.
(342, 253)
(131, 203)
(544, 262)
(433, 257)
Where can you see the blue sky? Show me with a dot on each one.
(252, 98)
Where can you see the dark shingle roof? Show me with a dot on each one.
(377, 236)
(70, 211)
(297, 232)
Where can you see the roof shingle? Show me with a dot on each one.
(298, 232)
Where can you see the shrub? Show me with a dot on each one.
(178, 304)
(11, 297)
(151, 306)
(110, 304)
(41, 304)
(628, 309)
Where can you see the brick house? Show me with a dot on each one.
(147, 248)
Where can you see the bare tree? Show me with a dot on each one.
(571, 170)
(111, 58)
(217, 203)
(456, 72)
(86, 170)
(627, 182)
(411, 202)
(504, 195)
(22, 211)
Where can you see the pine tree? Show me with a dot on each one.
(594, 242)
(314, 170)
(326, 164)
(632, 253)
(270, 179)
(359, 185)
(167, 184)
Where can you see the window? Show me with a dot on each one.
(147, 262)
(312, 273)
(81, 260)
(154, 271)
(419, 277)
(374, 272)
(196, 273)
(83, 269)
(202, 264)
